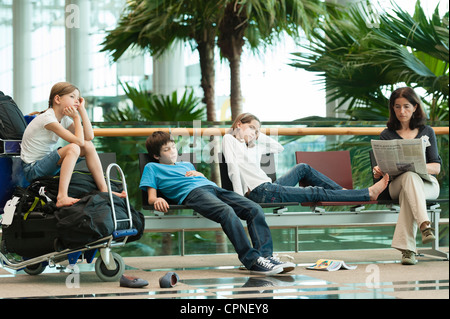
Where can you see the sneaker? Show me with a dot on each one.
(408, 257)
(427, 235)
(286, 265)
(264, 266)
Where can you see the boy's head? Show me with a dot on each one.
(161, 148)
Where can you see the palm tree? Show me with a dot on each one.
(155, 25)
(359, 64)
(260, 22)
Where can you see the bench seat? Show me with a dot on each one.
(356, 216)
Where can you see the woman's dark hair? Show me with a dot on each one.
(155, 142)
(418, 118)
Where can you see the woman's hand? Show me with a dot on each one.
(377, 173)
(433, 168)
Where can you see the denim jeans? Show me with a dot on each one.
(322, 188)
(227, 208)
(48, 165)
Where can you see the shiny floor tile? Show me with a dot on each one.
(243, 285)
(281, 286)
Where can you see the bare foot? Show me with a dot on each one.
(376, 189)
(121, 195)
(66, 201)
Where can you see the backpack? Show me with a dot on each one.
(12, 121)
(30, 227)
(41, 194)
(34, 198)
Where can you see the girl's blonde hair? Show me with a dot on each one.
(242, 118)
(61, 88)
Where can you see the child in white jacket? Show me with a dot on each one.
(243, 147)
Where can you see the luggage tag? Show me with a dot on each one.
(42, 193)
(8, 211)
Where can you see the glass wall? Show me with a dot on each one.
(262, 74)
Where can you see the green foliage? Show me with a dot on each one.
(157, 107)
(360, 62)
(154, 25)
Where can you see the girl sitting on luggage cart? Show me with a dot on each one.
(65, 118)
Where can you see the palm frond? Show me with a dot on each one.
(358, 62)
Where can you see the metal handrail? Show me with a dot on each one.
(286, 131)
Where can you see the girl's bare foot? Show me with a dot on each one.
(66, 201)
(376, 189)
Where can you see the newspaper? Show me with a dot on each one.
(398, 156)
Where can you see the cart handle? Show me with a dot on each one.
(124, 184)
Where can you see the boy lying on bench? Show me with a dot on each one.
(180, 182)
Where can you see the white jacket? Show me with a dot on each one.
(244, 168)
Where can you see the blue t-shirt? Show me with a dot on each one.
(171, 180)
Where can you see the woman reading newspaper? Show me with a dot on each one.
(407, 121)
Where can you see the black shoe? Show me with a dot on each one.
(169, 280)
(132, 282)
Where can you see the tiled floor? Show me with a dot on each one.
(378, 275)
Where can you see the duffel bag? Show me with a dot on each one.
(90, 219)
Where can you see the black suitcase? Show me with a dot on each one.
(32, 232)
(32, 237)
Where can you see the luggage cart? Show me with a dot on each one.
(109, 265)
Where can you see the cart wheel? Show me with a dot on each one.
(35, 269)
(110, 275)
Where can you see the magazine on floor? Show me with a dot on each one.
(330, 265)
(398, 156)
